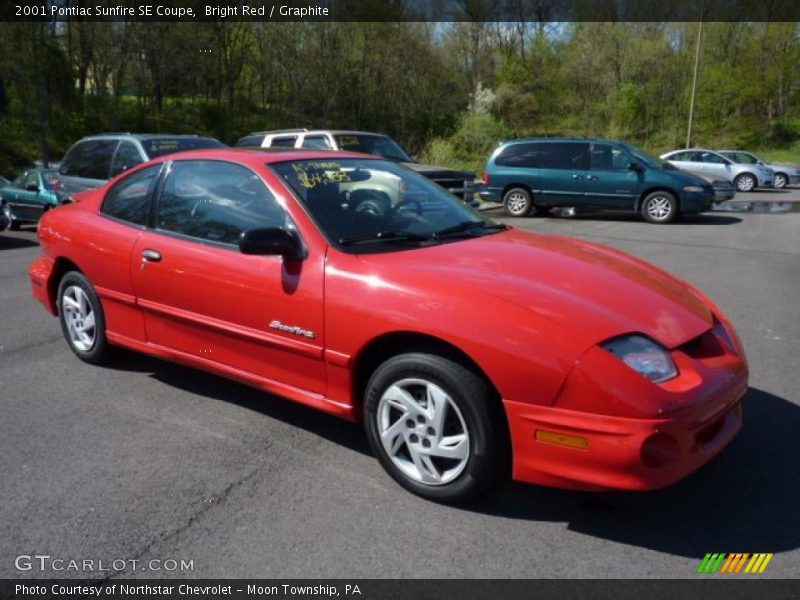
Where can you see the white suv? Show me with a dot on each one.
(460, 183)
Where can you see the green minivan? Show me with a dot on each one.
(593, 174)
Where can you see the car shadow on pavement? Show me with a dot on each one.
(12, 243)
(336, 430)
(745, 500)
(698, 219)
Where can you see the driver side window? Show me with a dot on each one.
(216, 201)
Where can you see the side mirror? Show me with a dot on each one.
(635, 166)
(271, 241)
(31, 187)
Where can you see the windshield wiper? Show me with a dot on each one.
(384, 237)
(467, 227)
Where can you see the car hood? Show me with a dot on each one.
(786, 166)
(692, 177)
(591, 291)
(439, 172)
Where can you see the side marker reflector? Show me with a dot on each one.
(562, 439)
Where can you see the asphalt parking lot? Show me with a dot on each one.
(147, 460)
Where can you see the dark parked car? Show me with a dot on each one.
(95, 159)
(26, 198)
(578, 173)
(460, 183)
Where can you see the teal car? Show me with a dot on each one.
(537, 174)
(26, 198)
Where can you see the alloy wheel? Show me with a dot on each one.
(517, 203)
(79, 318)
(423, 431)
(659, 208)
(780, 180)
(745, 183)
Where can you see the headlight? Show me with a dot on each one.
(692, 188)
(644, 356)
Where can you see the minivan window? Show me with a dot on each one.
(129, 199)
(609, 158)
(564, 155)
(216, 201)
(127, 156)
(90, 159)
(284, 142)
(155, 147)
(519, 155)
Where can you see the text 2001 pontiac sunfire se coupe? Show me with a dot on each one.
(469, 349)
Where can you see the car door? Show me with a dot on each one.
(23, 197)
(685, 159)
(611, 182)
(205, 300)
(714, 164)
(563, 167)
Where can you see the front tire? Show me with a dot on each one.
(745, 182)
(434, 426)
(780, 181)
(82, 320)
(660, 207)
(517, 202)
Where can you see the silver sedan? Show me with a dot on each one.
(745, 177)
(784, 174)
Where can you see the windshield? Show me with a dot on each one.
(380, 145)
(373, 205)
(160, 146)
(651, 161)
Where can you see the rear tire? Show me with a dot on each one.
(82, 320)
(660, 207)
(745, 182)
(435, 427)
(517, 202)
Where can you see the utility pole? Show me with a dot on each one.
(694, 85)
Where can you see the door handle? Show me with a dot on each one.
(576, 176)
(151, 255)
(592, 177)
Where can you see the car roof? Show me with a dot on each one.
(261, 156)
(146, 136)
(315, 131)
(563, 139)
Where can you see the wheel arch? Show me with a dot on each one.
(383, 347)
(61, 267)
(511, 186)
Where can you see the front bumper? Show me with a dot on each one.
(696, 202)
(685, 422)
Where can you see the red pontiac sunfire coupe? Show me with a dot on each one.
(349, 283)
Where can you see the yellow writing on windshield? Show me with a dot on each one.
(310, 175)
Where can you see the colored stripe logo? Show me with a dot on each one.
(737, 562)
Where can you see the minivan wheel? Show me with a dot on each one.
(518, 202)
(429, 421)
(82, 320)
(744, 182)
(780, 181)
(660, 207)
